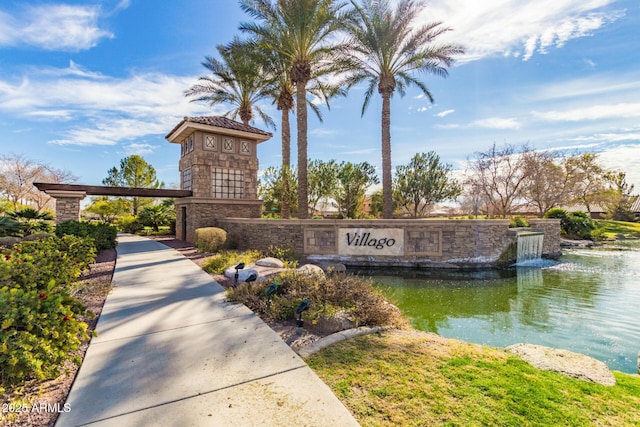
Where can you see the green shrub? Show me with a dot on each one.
(575, 225)
(518, 221)
(285, 254)
(557, 213)
(103, 235)
(209, 239)
(129, 224)
(39, 324)
(219, 262)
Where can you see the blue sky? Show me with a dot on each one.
(84, 83)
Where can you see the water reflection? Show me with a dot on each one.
(589, 302)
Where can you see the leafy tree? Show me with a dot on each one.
(354, 179)
(156, 215)
(423, 182)
(108, 208)
(239, 79)
(590, 180)
(271, 191)
(134, 172)
(499, 175)
(302, 32)
(18, 176)
(387, 49)
(323, 181)
(375, 204)
(620, 199)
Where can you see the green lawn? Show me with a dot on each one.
(409, 379)
(615, 228)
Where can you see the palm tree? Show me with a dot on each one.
(387, 50)
(238, 79)
(299, 31)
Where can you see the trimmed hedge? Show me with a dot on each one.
(103, 235)
(209, 239)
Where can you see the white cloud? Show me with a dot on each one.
(56, 27)
(139, 149)
(445, 113)
(516, 28)
(625, 158)
(422, 109)
(596, 112)
(497, 123)
(98, 109)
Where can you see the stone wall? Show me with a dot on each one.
(206, 213)
(427, 243)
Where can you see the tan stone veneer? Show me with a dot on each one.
(426, 243)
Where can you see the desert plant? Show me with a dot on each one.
(155, 215)
(32, 220)
(9, 227)
(209, 239)
(328, 295)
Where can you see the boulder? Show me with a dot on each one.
(565, 362)
(340, 321)
(270, 262)
(242, 274)
(311, 270)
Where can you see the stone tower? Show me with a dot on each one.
(219, 165)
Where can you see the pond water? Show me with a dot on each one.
(587, 302)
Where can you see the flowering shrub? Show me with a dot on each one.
(39, 324)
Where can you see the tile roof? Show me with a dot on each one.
(221, 122)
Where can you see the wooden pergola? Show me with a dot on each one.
(68, 196)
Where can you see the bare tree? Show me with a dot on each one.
(549, 182)
(18, 176)
(590, 183)
(499, 175)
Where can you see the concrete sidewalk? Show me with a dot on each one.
(172, 352)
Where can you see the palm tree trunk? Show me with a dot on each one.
(387, 195)
(285, 208)
(301, 111)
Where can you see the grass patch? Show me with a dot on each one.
(217, 263)
(417, 379)
(612, 229)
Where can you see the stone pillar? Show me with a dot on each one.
(67, 204)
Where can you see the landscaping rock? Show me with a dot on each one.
(565, 362)
(311, 270)
(242, 274)
(270, 262)
(336, 323)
